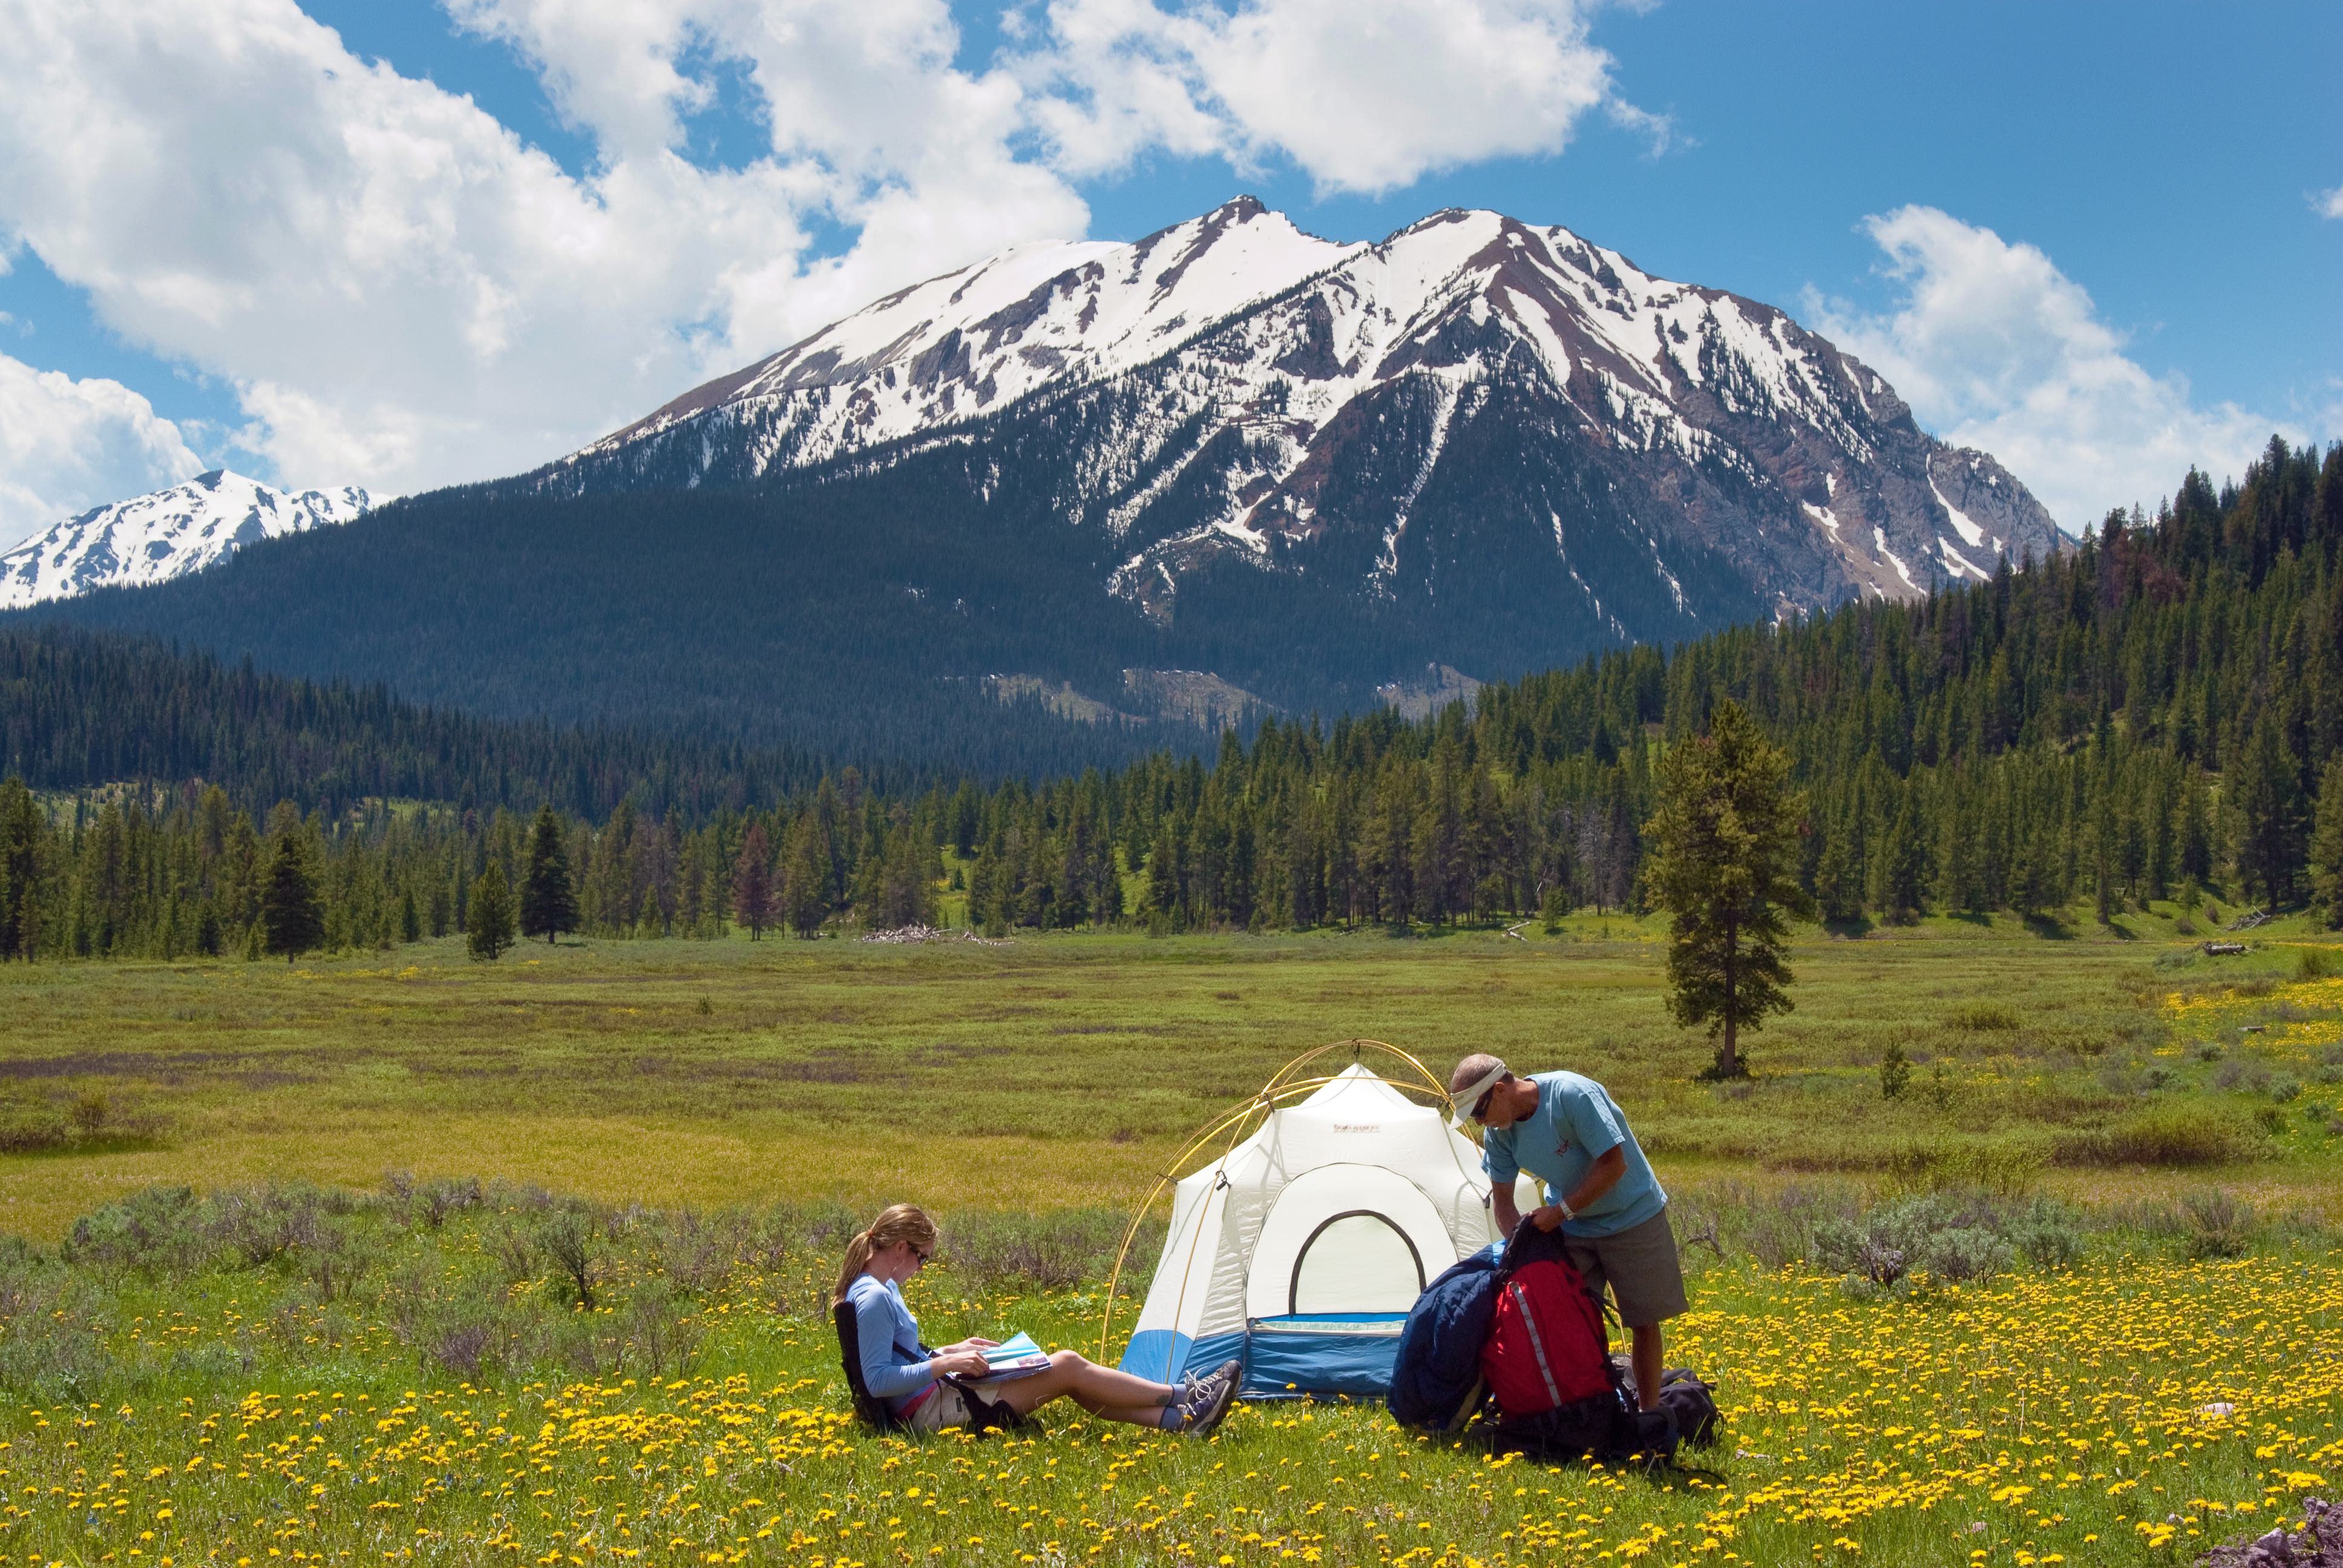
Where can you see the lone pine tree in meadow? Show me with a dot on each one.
(1723, 864)
(489, 919)
(291, 919)
(548, 896)
(753, 882)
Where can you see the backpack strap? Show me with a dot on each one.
(1469, 1406)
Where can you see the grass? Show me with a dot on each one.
(412, 1375)
(1061, 1071)
(457, 1404)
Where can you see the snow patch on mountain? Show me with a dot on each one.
(169, 533)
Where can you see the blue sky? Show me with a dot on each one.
(2095, 239)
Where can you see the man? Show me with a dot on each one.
(1564, 1129)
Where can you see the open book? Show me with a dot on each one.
(1019, 1357)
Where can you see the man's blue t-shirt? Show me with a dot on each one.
(1575, 1124)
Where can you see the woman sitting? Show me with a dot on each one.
(897, 1370)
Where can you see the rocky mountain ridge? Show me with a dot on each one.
(1255, 395)
(166, 533)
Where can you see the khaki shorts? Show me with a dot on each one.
(945, 1407)
(1639, 1265)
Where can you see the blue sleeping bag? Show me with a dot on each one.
(1438, 1361)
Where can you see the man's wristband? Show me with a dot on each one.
(1568, 1213)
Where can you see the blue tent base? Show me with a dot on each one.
(1298, 1356)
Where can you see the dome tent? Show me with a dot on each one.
(1299, 1249)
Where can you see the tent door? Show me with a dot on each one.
(1357, 1261)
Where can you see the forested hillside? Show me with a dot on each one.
(81, 709)
(2158, 712)
(856, 631)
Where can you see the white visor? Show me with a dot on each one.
(1462, 1102)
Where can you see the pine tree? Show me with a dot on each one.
(549, 897)
(2327, 847)
(20, 842)
(1904, 880)
(1723, 864)
(291, 918)
(488, 921)
(2269, 841)
(1838, 882)
(753, 882)
(805, 880)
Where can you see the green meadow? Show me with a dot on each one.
(530, 1259)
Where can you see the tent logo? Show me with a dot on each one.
(1358, 1127)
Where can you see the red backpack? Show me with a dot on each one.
(1546, 1347)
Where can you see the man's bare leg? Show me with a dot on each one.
(1648, 1365)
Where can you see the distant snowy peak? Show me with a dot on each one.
(155, 537)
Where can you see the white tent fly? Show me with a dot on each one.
(1300, 1248)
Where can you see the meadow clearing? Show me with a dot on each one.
(528, 1261)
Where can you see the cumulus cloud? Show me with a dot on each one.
(1995, 347)
(2331, 203)
(404, 294)
(66, 446)
(1364, 94)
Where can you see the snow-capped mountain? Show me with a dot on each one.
(169, 533)
(1238, 391)
(1229, 463)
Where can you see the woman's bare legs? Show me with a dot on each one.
(1102, 1391)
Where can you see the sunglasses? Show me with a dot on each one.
(917, 1256)
(1480, 1106)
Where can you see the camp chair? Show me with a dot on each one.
(984, 1415)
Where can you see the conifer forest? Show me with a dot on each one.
(2155, 714)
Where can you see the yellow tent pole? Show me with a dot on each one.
(1280, 1087)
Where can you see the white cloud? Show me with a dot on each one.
(66, 446)
(2331, 203)
(403, 294)
(1364, 94)
(1995, 347)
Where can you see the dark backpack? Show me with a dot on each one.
(1692, 1403)
(1435, 1382)
(984, 1414)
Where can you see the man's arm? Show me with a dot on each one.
(1501, 1203)
(1600, 1177)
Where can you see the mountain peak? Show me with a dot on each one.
(168, 533)
(1231, 370)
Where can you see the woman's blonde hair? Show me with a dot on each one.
(903, 1222)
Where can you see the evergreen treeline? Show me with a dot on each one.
(80, 709)
(2156, 714)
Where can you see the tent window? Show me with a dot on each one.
(1356, 1262)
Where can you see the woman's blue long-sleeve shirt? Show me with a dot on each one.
(894, 1368)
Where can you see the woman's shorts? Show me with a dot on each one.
(1640, 1265)
(944, 1408)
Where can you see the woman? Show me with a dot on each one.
(898, 1245)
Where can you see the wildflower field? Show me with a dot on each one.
(227, 1336)
(2129, 1408)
